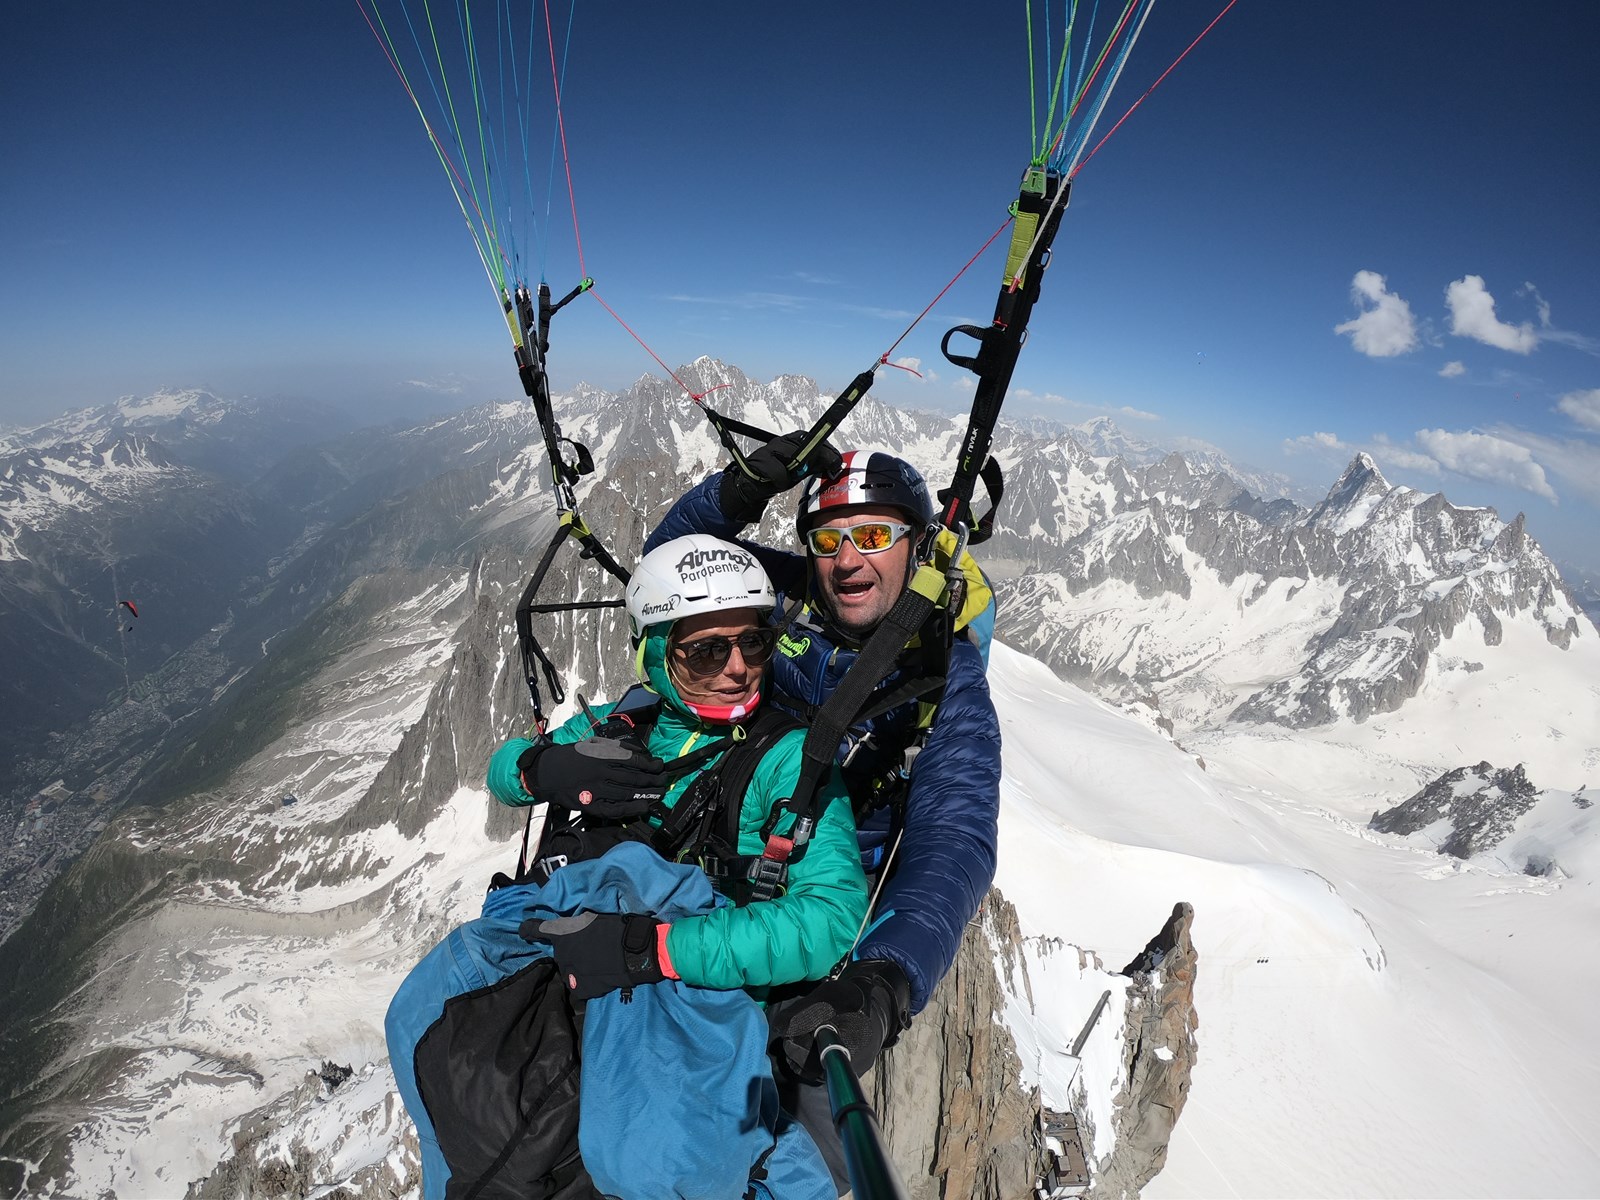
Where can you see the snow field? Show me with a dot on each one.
(1373, 1020)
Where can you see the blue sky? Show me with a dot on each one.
(1334, 227)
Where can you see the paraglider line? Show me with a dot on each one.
(457, 184)
(688, 391)
(566, 161)
(884, 357)
(1152, 88)
(1099, 64)
(1080, 138)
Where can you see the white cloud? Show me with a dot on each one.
(1487, 457)
(1575, 461)
(1452, 369)
(1387, 328)
(1543, 305)
(1472, 316)
(443, 387)
(1315, 441)
(1583, 407)
(1138, 414)
(1399, 457)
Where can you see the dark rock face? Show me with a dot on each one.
(1481, 804)
(1160, 1050)
(954, 1120)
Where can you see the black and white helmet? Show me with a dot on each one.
(694, 574)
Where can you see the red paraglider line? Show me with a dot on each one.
(884, 357)
(689, 391)
(566, 161)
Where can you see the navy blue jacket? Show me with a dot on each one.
(946, 860)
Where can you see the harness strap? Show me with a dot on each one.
(1041, 202)
(841, 710)
(830, 420)
(534, 659)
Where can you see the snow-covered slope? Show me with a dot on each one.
(1373, 1020)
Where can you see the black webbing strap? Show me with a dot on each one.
(530, 333)
(1039, 207)
(995, 485)
(827, 729)
(841, 408)
(819, 432)
(534, 659)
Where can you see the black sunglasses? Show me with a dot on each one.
(709, 655)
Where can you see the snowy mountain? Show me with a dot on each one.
(1319, 620)
(236, 436)
(197, 1004)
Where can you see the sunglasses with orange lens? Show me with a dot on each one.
(869, 537)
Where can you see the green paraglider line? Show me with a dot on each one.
(457, 184)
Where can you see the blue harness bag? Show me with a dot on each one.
(514, 1094)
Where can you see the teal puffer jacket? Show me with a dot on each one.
(800, 934)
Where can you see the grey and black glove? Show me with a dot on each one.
(600, 776)
(601, 952)
(868, 1005)
(745, 490)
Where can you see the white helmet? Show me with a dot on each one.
(694, 574)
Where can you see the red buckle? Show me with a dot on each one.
(778, 849)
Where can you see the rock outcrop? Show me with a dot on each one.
(955, 1119)
(1159, 1056)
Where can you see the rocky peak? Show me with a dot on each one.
(1475, 808)
(1352, 498)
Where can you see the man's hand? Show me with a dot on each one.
(600, 952)
(869, 1004)
(746, 490)
(599, 776)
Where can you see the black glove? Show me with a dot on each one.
(869, 1004)
(601, 776)
(600, 952)
(744, 493)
